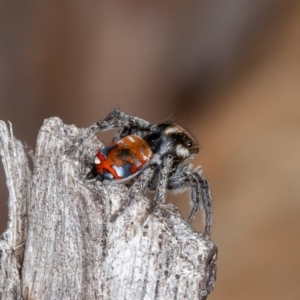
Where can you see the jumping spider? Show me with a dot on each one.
(153, 153)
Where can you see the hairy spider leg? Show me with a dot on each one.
(115, 119)
(206, 200)
(162, 185)
(137, 188)
(199, 191)
(195, 196)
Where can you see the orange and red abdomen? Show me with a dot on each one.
(122, 159)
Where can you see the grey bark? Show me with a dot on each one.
(60, 244)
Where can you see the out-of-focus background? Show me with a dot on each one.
(229, 71)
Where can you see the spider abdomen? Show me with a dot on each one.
(121, 159)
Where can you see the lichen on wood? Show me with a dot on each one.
(61, 244)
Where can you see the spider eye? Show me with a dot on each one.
(188, 143)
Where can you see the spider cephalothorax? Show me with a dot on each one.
(154, 155)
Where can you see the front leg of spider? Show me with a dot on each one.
(137, 189)
(199, 187)
(206, 200)
(162, 185)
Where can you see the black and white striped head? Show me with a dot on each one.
(170, 138)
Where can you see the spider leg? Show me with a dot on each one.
(199, 186)
(122, 119)
(115, 119)
(137, 188)
(206, 200)
(162, 184)
(195, 197)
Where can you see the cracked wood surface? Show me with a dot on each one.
(60, 244)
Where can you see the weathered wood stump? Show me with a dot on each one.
(60, 244)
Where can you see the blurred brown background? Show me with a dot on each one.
(227, 70)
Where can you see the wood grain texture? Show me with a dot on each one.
(73, 251)
(12, 241)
